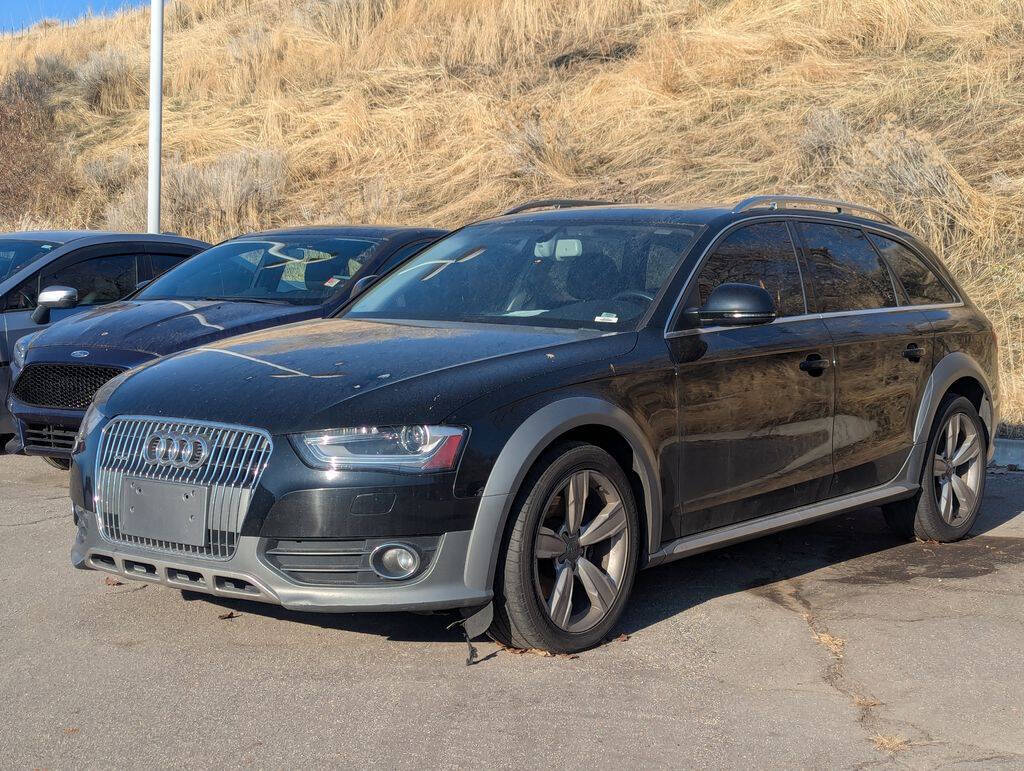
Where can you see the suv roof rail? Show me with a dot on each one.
(777, 201)
(554, 203)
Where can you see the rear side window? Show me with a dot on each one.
(922, 285)
(99, 280)
(761, 255)
(848, 273)
(154, 265)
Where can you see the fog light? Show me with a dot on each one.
(395, 561)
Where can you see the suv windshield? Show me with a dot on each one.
(597, 276)
(15, 255)
(287, 269)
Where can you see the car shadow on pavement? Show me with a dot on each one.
(859, 541)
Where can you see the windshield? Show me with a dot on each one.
(302, 270)
(15, 255)
(596, 276)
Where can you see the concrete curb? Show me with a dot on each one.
(1009, 452)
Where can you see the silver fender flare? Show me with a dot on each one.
(527, 442)
(951, 368)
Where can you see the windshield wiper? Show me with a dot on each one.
(263, 300)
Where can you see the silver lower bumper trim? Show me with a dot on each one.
(246, 576)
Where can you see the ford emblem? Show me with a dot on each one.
(79, 354)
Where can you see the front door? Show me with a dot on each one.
(882, 356)
(755, 402)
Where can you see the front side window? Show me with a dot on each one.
(23, 297)
(547, 273)
(16, 254)
(300, 270)
(922, 285)
(848, 274)
(99, 280)
(762, 255)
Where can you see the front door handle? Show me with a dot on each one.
(913, 352)
(814, 364)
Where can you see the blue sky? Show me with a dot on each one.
(18, 14)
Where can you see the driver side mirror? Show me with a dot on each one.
(734, 305)
(53, 297)
(362, 285)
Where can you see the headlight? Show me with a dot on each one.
(397, 448)
(21, 348)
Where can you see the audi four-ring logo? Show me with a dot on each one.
(168, 448)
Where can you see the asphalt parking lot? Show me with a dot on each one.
(831, 645)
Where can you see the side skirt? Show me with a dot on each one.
(742, 531)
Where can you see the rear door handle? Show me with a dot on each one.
(814, 364)
(914, 352)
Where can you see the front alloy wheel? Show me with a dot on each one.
(581, 551)
(569, 554)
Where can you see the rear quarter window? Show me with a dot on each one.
(922, 285)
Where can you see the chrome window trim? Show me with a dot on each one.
(792, 217)
(819, 316)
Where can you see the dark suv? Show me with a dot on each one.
(529, 410)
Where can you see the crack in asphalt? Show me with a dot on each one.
(789, 594)
(33, 522)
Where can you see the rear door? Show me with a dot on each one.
(882, 356)
(755, 425)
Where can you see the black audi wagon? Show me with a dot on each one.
(521, 416)
(251, 282)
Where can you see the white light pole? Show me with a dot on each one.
(156, 93)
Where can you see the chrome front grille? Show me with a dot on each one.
(237, 458)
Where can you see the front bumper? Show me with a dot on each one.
(44, 430)
(247, 575)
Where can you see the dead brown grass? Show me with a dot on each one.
(439, 111)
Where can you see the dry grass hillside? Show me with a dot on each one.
(440, 111)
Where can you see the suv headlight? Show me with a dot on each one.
(20, 349)
(388, 448)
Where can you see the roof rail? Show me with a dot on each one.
(777, 201)
(554, 203)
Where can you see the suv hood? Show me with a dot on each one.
(159, 327)
(337, 372)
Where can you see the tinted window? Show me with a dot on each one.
(23, 297)
(15, 255)
(303, 270)
(99, 280)
(158, 264)
(848, 274)
(761, 255)
(544, 273)
(922, 285)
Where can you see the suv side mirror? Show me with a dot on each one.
(53, 297)
(362, 285)
(735, 305)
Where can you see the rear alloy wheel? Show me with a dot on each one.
(952, 480)
(570, 553)
(58, 463)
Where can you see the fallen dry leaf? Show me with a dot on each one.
(865, 701)
(621, 638)
(834, 644)
(537, 652)
(890, 744)
(229, 615)
(70, 730)
(111, 581)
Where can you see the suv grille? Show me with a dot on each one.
(236, 460)
(41, 437)
(62, 386)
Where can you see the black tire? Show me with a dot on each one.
(521, 619)
(61, 464)
(920, 516)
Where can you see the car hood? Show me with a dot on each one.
(159, 327)
(340, 372)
